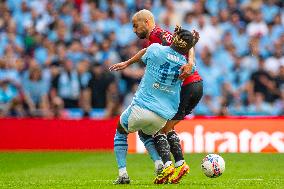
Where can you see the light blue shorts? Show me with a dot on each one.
(135, 118)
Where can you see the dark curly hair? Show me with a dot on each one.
(183, 40)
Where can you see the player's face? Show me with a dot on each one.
(140, 28)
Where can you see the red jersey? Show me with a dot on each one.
(163, 37)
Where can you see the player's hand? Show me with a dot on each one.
(118, 66)
(196, 37)
(186, 70)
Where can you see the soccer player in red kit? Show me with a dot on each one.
(167, 141)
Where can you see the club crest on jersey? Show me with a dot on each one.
(156, 85)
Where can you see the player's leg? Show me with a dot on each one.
(171, 135)
(135, 119)
(169, 126)
(163, 149)
(141, 120)
(121, 147)
(190, 96)
(181, 167)
(150, 123)
(149, 144)
(120, 150)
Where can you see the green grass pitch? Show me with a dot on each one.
(98, 170)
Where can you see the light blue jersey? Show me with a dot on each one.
(159, 90)
(155, 102)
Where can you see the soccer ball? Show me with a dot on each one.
(213, 165)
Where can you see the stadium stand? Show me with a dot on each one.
(54, 55)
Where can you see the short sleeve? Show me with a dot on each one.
(150, 52)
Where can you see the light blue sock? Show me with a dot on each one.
(148, 142)
(120, 149)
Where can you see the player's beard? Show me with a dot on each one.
(142, 35)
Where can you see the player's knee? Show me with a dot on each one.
(143, 136)
(120, 129)
(165, 130)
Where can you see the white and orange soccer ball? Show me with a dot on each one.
(213, 165)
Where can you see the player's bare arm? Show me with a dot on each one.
(186, 69)
(122, 65)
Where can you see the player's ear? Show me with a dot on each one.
(147, 22)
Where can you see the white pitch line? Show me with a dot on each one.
(259, 179)
(103, 180)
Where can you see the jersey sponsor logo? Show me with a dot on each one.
(163, 88)
(167, 36)
(161, 36)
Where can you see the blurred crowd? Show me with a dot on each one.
(54, 55)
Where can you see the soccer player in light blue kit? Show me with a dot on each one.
(156, 100)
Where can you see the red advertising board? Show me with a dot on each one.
(226, 135)
(197, 135)
(39, 134)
